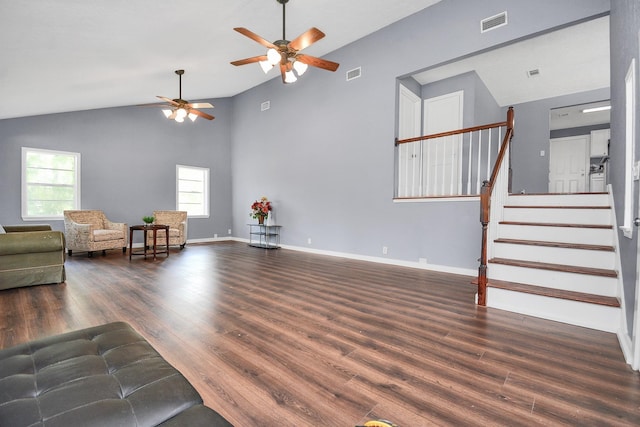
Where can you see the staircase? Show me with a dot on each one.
(554, 257)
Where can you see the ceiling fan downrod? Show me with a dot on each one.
(180, 73)
(283, 3)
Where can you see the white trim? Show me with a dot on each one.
(623, 330)
(206, 191)
(629, 135)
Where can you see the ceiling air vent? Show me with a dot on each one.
(493, 22)
(354, 74)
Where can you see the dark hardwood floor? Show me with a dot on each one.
(285, 338)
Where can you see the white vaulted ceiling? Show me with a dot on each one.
(69, 55)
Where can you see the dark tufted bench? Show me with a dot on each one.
(102, 376)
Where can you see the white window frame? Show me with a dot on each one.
(205, 191)
(630, 129)
(25, 196)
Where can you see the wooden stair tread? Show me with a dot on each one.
(557, 244)
(553, 293)
(556, 207)
(555, 267)
(554, 224)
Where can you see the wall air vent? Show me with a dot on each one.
(533, 73)
(354, 74)
(265, 105)
(493, 22)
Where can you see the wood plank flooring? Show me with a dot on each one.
(285, 338)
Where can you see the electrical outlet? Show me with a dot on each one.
(422, 260)
(385, 250)
(215, 236)
(229, 231)
(309, 241)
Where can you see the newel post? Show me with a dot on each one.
(485, 200)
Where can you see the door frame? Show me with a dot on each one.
(407, 98)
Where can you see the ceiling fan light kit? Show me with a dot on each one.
(179, 109)
(286, 53)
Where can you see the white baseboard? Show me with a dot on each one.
(626, 346)
(379, 260)
(211, 239)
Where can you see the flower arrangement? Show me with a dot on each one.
(260, 209)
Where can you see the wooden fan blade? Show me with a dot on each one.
(306, 39)
(155, 105)
(201, 114)
(255, 37)
(171, 101)
(249, 60)
(317, 62)
(200, 105)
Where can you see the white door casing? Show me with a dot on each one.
(568, 164)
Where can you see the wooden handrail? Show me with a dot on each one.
(452, 132)
(485, 208)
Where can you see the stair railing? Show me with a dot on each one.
(500, 181)
(447, 164)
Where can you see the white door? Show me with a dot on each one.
(442, 156)
(408, 154)
(568, 164)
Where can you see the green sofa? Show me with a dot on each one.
(31, 255)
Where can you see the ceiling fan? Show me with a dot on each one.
(178, 108)
(286, 53)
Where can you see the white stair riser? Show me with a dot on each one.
(592, 236)
(566, 256)
(597, 285)
(559, 216)
(592, 316)
(558, 200)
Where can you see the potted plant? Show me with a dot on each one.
(260, 209)
(148, 220)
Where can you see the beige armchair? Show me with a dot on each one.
(177, 222)
(90, 230)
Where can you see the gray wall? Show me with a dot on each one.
(625, 27)
(128, 161)
(324, 151)
(530, 170)
(480, 107)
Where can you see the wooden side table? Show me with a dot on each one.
(145, 228)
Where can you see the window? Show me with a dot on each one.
(50, 183)
(192, 188)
